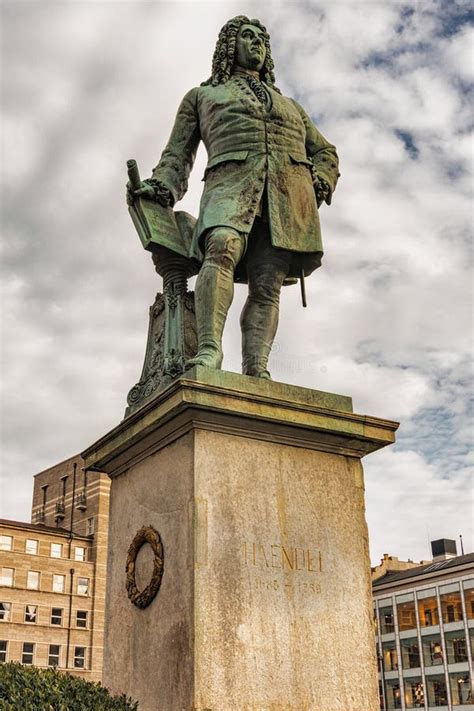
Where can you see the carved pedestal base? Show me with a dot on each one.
(161, 366)
(256, 491)
(172, 331)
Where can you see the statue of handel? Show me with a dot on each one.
(268, 171)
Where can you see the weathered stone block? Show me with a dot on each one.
(256, 489)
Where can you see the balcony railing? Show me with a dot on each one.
(81, 501)
(40, 515)
(60, 510)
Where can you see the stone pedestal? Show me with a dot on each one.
(256, 489)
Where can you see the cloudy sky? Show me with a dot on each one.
(87, 85)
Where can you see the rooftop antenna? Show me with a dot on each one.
(462, 545)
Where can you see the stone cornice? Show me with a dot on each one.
(241, 406)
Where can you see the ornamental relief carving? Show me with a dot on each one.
(141, 599)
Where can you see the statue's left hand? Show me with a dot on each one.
(322, 190)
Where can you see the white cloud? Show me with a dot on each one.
(409, 503)
(459, 55)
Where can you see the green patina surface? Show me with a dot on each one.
(269, 170)
(234, 382)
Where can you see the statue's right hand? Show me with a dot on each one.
(145, 190)
(150, 189)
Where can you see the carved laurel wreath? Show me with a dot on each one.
(146, 534)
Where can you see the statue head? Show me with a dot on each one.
(225, 54)
(250, 50)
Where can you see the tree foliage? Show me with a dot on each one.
(31, 689)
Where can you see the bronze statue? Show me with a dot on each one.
(268, 171)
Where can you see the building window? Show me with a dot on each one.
(469, 600)
(79, 553)
(28, 653)
(3, 650)
(56, 616)
(5, 611)
(81, 618)
(432, 650)
(451, 607)
(6, 543)
(33, 580)
(394, 697)
(414, 693)
(53, 655)
(428, 608)
(83, 586)
(471, 640)
(410, 652)
(79, 657)
(436, 690)
(31, 546)
(6, 578)
(58, 583)
(386, 619)
(390, 656)
(31, 612)
(90, 527)
(456, 647)
(44, 490)
(406, 615)
(63, 486)
(461, 692)
(56, 550)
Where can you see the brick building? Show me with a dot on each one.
(53, 570)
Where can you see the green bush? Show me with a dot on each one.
(25, 688)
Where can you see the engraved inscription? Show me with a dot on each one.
(287, 585)
(283, 568)
(282, 557)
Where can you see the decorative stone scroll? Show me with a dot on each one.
(146, 534)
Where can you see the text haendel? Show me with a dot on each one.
(286, 558)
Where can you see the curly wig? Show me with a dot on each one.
(224, 53)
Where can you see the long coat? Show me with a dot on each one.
(250, 147)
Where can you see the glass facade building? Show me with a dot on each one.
(424, 623)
